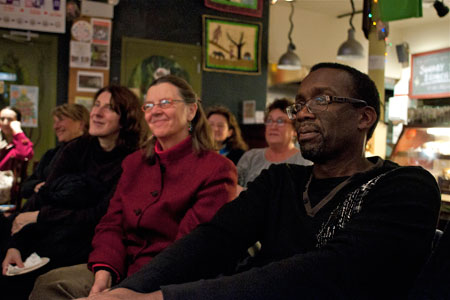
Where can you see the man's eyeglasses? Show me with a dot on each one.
(163, 104)
(279, 122)
(319, 104)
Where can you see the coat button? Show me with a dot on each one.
(138, 211)
(155, 193)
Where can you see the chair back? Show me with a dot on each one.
(19, 168)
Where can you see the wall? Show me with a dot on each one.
(181, 21)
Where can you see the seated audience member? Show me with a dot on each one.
(70, 121)
(59, 221)
(13, 142)
(432, 283)
(165, 191)
(227, 133)
(347, 227)
(280, 136)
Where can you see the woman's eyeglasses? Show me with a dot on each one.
(319, 104)
(163, 104)
(279, 122)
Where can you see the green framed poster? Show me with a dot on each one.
(231, 45)
(145, 60)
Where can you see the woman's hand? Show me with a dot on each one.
(102, 282)
(23, 219)
(12, 257)
(38, 186)
(15, 127)
(125, 294)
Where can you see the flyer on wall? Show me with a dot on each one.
(36, 15)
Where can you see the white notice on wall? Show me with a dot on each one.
(49, 16)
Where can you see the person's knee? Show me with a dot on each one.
(63, 283)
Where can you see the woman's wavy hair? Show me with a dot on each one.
(202, 139)
(126, 104)
(75, 112)
(235, 141)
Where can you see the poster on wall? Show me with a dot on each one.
(143, 61)
(231, 46)
(80, 54)
(89, 81)
(36, 15)
(25, 98)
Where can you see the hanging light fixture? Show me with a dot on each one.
(290, 60)
(351, 48)
(441, 8)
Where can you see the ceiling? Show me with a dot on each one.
(339, 7)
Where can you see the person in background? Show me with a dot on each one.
(59, 221)
(227, 133)
(13, 142)
(175, 183)
(70, 121)
(347, 227)
(280, 136)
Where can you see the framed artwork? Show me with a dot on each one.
(145, 60)
(231, 46)
(252, 8)
(89, 81)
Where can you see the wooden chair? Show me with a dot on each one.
(19, 168)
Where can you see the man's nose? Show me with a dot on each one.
(304, 113)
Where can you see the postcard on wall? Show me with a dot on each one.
(80, 54)
(231, 46)
(26, 99)
(89, 81)
(101, 31)
(248, 111)
(85, 101)
(99, 56)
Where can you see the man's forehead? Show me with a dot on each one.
(325, 81)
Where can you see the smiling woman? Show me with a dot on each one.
(70, 121)
(173, 184)
(280, 136)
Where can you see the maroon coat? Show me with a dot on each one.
(156, 204)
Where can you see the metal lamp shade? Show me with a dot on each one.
(289, 60)
(351, 48)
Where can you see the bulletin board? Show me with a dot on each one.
(89, 58)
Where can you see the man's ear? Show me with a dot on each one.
(367, 118)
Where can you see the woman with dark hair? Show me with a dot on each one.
(280, 136)
(13, 142)
(175, 183)
(59, 221)
(227, 133)
(70, 121)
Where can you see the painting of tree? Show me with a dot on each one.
(231, 45)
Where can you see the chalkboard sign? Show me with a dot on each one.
(430, 74)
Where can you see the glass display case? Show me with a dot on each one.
(428, 147)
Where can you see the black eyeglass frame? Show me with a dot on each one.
(294, 109)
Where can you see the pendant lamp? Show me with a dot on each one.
(351, 48)
(290, 60)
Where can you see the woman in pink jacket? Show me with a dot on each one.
(13, 142)
(177, 182)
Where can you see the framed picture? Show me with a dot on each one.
(252, 8)
(145, 60)
(231, 45)
(89, 81)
